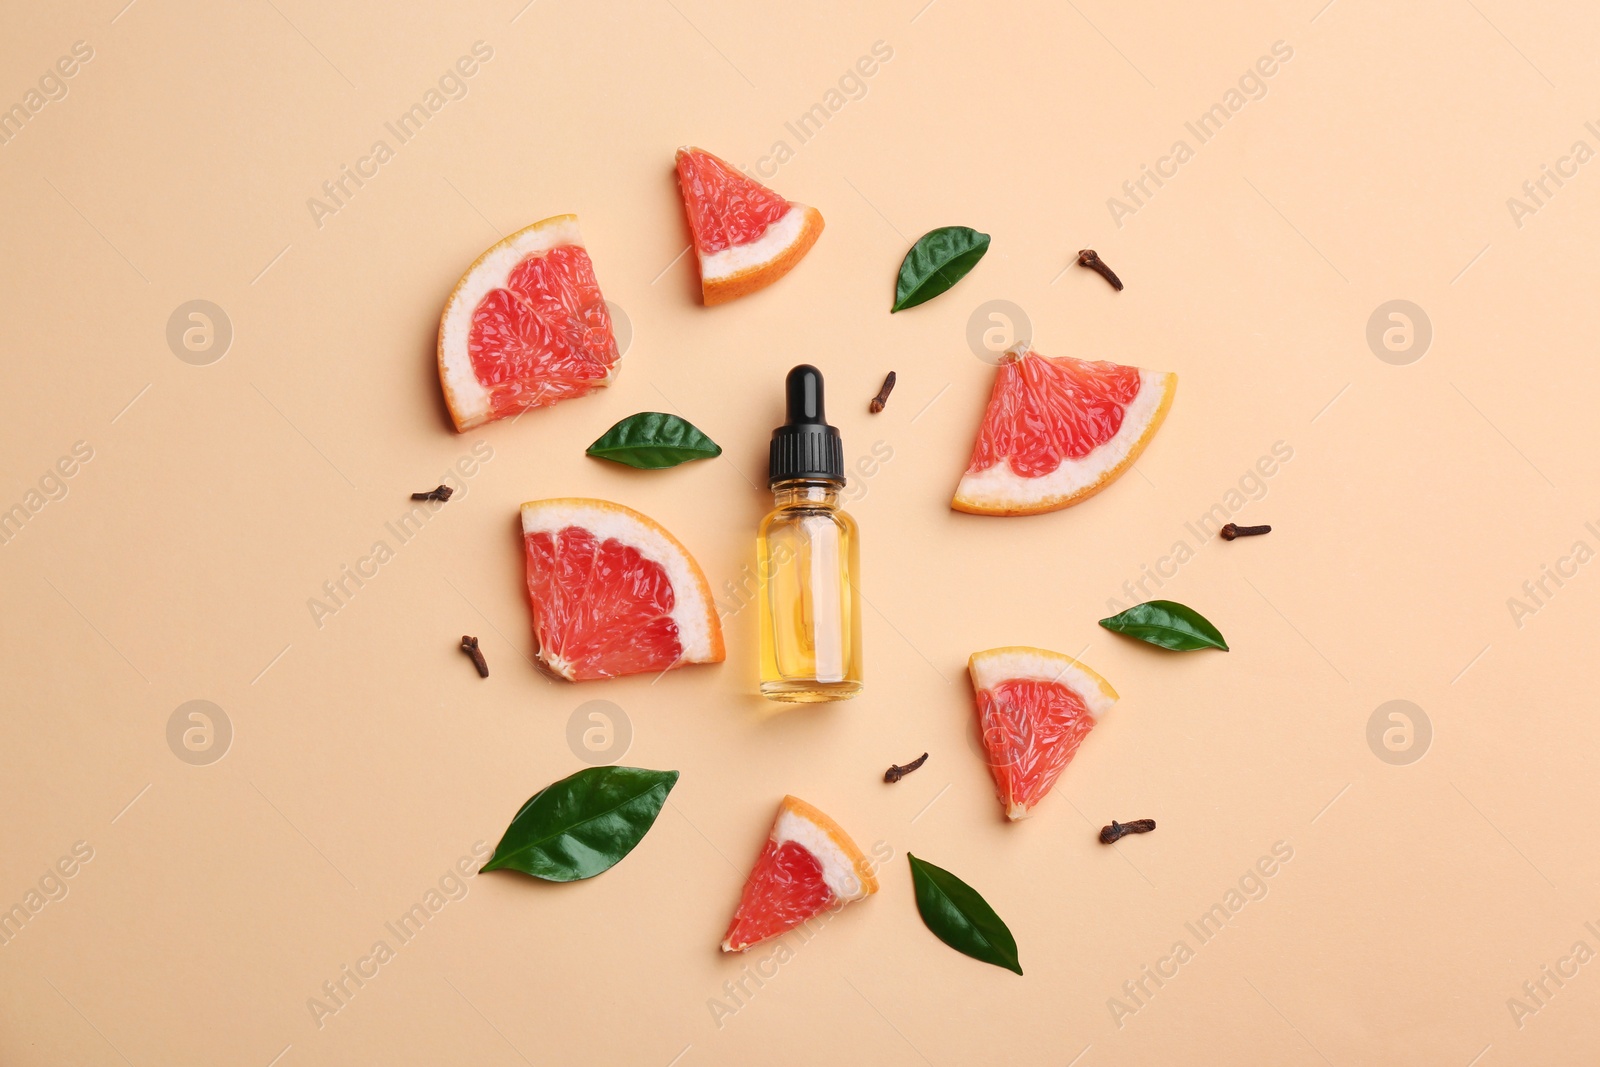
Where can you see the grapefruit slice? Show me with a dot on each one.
(745, 235)
(1057, 431)
(525, 327)
(808, 864)
(613, 593)
(1034, 710)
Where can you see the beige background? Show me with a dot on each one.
(367, 758)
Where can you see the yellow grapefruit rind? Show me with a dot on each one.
(699, 630)
(991, 667)
(845, 867)
(999, 490)
(464, 395)
(742, 269)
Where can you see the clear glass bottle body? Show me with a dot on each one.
(808, 567)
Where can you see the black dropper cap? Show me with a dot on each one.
(805, 446)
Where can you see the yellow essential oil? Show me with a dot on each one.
(808, 559)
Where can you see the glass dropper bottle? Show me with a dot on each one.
(808, 559)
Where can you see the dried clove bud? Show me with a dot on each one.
(469, 645)
(1118, 830)
(897, 772)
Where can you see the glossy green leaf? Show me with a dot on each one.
(1168, 624)
(652, 440)
(961, 918)
(583, 824)
(938, 260)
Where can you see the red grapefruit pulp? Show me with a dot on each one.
(613, 593)
(526, 327)
(1034, 709)
(745, 235)
(808, 864)
(1058, 430)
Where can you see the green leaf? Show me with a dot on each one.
(1168, 624)
(584, 824)
(961, 918)
(938, 260)
(652, 440)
